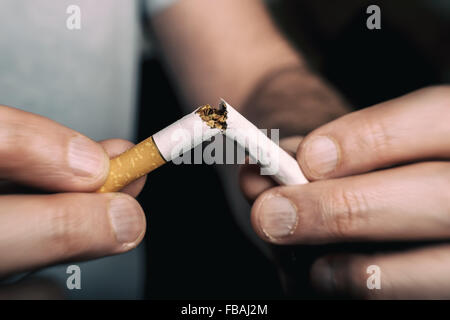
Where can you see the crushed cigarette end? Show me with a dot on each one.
(214, 117)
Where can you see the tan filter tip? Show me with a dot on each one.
(131, 165)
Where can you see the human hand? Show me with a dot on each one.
(74, 223)
(379, 174)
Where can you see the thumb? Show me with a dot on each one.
(51, 228)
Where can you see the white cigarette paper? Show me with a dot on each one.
(284, 167)
(183, 135)
(190, 131)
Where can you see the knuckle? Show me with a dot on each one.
(343, 212)
(376, 137)
(9, 135)
(12, 134)
(65, 232)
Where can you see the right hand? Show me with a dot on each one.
(379, 177)
(74, 223)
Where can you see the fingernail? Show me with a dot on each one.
(277, 217)
(321, 155)
(86, 158)
(322, 277)
(126, 219)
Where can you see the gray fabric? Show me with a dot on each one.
(86, 80)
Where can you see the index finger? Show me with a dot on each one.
(407, 129)
(39, 152)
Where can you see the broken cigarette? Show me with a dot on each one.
(193, 129)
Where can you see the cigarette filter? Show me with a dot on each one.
(155, 151)
(132, 164)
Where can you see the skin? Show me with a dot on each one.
(390, 182)
(72, 222)
(223, 55)
(208, 68)
(232, 49)
(228, 57)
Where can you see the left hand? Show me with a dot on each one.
(379, 174)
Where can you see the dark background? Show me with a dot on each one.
(198, 251)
